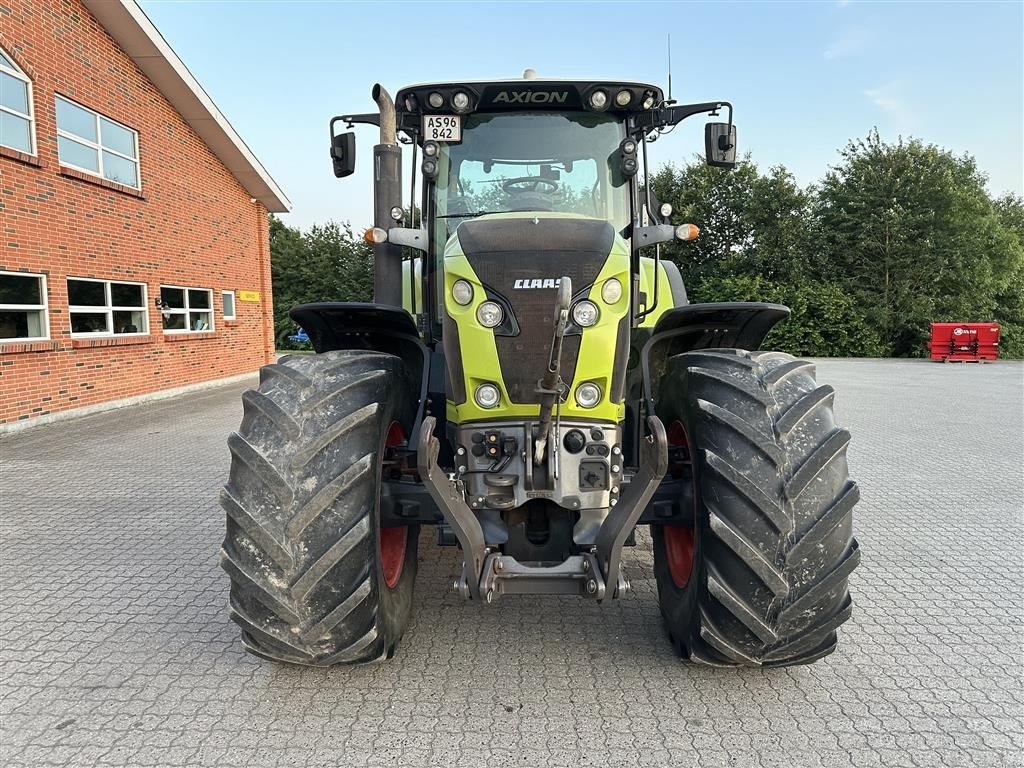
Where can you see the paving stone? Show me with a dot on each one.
(116, 648)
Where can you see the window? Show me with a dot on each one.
(186, 309)
(107, 307)
(90, 142)
(17, 124)
(228, 300)
(565, 158)
(23, 307)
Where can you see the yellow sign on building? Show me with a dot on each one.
(248, 295)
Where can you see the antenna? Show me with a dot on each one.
(670, 66)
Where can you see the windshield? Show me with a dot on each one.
(566, 162)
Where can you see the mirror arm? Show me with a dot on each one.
(334, 121)
(406, 122)
(729, 129)
(372, 118)
(662, 117)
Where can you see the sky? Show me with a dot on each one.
(804, 78)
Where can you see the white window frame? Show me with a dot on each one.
(44, 308)
(31, 116)
(234, 305)
(100, 149)
(108, 309)
(187, 309)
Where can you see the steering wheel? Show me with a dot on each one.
(526, 184)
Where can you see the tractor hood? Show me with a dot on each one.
(518, 261)
(522, 260)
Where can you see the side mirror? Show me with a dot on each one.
(720, 144)
(343, 154)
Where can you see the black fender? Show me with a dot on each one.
(376, 327)
(738, 325)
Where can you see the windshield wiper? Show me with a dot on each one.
(468, 215)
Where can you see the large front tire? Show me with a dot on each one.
(313, 581)
(762, 578)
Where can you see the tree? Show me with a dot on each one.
(909, 230)
(756, 244)
(1010, 292)
(751, 224)
(287, 253)
(825, 320)
(326, 263)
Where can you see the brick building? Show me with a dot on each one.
(134, 248)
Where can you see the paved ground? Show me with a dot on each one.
(117, 650)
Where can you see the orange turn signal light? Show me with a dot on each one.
(687, 232)
(375, 235)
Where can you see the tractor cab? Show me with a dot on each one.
(543, 146)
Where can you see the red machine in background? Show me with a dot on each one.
(969, 342)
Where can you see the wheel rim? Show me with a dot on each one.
(393, 540)
(679, 541)
(679, 551)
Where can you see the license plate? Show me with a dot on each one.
(442, 128)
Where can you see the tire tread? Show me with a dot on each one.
(301, 544)
(776, 547)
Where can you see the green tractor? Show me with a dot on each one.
(531, 380)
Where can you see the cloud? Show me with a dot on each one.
(850, 42)
(888, 97)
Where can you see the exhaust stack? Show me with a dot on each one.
(387, 194)
(386, 105)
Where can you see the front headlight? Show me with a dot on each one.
(611, 291)
(585, 313)
(588, 395)
(487, 396)
(462, 292)
(489, 314)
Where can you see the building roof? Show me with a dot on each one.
(126, 22)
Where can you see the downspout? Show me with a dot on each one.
(266, 284)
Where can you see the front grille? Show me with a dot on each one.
(503, 251)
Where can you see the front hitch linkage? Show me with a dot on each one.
(595, 574)
(550, 386)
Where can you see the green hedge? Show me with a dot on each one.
(825, 320)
